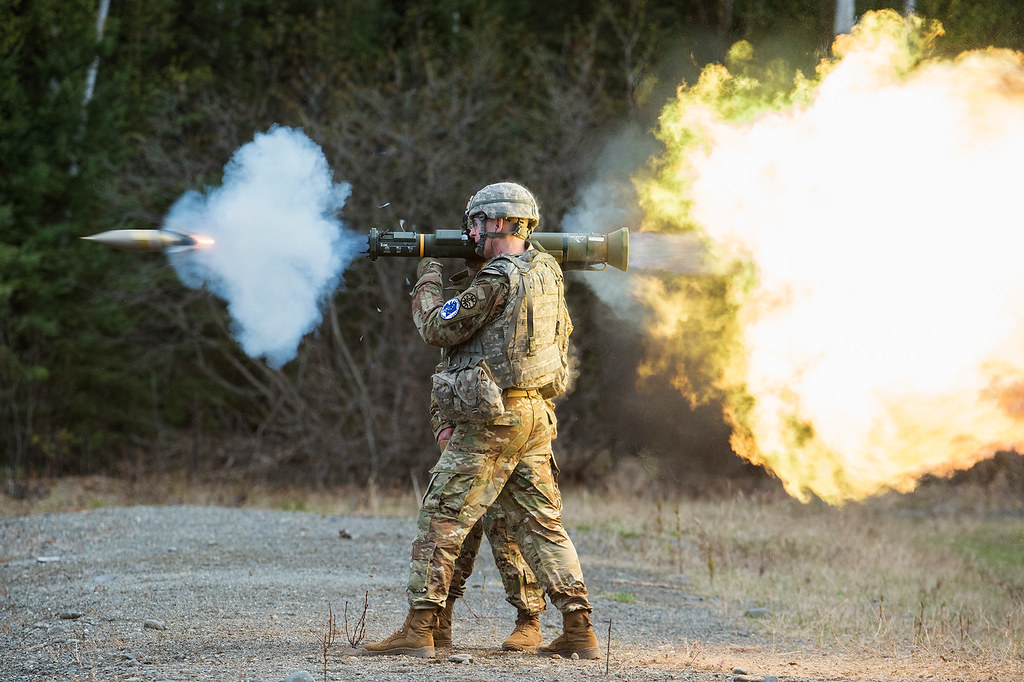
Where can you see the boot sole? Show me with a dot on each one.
(418, 652)
(526, 649)
(589, 653)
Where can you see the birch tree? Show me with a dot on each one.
(844, 16)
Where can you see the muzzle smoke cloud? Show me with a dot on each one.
(868, 222)
(279, 250)
(610, 202)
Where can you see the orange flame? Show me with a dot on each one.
(864, 328)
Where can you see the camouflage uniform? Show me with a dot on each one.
(507, 461)
(521, 588)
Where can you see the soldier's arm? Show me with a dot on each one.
(446, 323)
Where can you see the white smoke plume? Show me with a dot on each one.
(279, 249)
(610, 202)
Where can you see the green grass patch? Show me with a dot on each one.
(995, 545)
(623, 597)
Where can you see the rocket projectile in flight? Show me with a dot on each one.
(150, 240)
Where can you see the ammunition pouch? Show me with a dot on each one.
(467, 394)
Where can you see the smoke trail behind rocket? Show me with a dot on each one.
(280, 249)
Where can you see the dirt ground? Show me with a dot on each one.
(207, 593)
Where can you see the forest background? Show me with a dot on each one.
(109, 364)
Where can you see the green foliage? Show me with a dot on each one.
(996, 546)
(46, 187)
(105, 358)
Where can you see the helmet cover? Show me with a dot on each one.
(506, 200)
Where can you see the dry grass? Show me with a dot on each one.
(936, 577)
(94, 492)
(933, 580)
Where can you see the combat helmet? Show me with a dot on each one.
(507, 200)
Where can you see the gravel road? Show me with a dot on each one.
(205, 593)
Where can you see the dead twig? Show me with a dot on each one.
(482, 604)
(327, 638)
(355, 636)
(608, 649)
(483, 586)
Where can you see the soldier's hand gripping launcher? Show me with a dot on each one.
(572, 250)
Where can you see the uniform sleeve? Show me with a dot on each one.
(446, 323)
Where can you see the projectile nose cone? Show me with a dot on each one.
(108, 237)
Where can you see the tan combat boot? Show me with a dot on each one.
(577, 638)
(412, 639)
(526, 636)
(442, 630)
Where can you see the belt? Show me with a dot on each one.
(521, 393)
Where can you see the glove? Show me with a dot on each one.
(428, 266)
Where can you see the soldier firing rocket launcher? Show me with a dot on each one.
(572, 250)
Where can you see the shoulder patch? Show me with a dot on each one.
(450, 309)
(468, 300)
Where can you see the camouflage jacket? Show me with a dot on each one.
(448, 317)
(456, 284)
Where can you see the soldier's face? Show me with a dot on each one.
(476, 226)
(481, 225)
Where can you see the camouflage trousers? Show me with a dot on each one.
(508, 462)
(521, 588)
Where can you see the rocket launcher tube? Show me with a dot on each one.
(572, 250)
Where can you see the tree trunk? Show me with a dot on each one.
(844, 16)
(90, 77)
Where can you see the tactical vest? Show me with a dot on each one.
(526, 347)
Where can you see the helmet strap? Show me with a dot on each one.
(484, 236)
